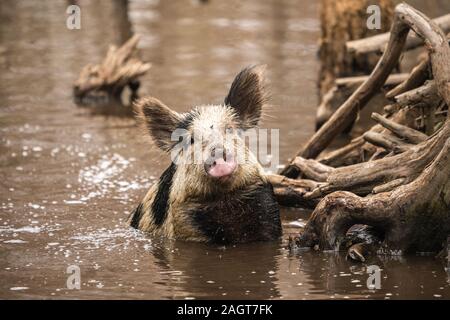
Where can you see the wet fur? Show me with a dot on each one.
(240, 216)
(160, 204)
(244, 215)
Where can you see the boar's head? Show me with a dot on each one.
(208, 144)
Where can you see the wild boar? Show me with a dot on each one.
(225, 197)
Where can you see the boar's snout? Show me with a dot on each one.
(220, 164)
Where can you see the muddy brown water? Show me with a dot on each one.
(69, 176)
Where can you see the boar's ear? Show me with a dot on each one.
(159, 120)
(247, 95)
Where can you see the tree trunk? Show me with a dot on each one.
(342, 21)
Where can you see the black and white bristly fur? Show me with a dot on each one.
(189, 203)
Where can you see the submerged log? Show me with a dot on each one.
(405, 197)
(106, 81)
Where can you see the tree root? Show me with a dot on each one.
(402, 131)
(423, 96)
(404, 191)
(343, 89)
(413, 217)
(417, 77)
(390, 143)
(290, 193)
(361, 178)
(358, 150)
(313, 169)
(349, 154)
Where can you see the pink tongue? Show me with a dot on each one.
(222, 168)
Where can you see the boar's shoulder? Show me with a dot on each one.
(251, 214)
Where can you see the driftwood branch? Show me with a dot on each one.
(107, 80)
(402, 131)
(343, 89)
(363, 177)
(313, 169)
(422, 96)
(354, 82)
(335, 157)
(416, 78)
(389, 185)
(290, 193)
(378, 43)
(390, 143)
(358, 150)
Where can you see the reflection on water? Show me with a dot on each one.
(69, 176)
(211, 272)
